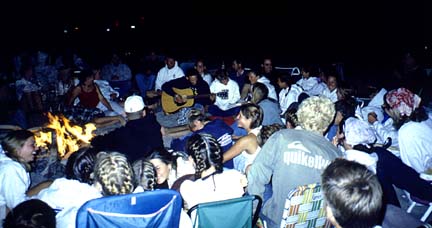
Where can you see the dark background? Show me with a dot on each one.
(365, 35)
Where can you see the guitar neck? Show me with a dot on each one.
(199, 96)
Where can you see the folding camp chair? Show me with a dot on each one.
(415, 201)
(234, 213)
(304, 208)
(159, 208)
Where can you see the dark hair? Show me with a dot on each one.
(259, 92)
(84, 74)
(206, 152)
(163, 155)
(288, 79)
(192, 72)
(346, 107)
(291, 114)
(145, 174)
(254, 112)
(353, 193)
(221, 74)
(266, 132)
(33, 213)
(80, 165)
(301, 97)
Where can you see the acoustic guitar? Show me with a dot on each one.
(169, 105)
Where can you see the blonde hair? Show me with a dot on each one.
(13, 142)
(316, 114)
(114, 173)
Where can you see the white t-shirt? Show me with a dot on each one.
(221, 186)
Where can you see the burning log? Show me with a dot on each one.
(68, 137)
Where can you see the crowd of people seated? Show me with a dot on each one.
(232, 132)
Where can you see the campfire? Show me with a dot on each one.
(68, 137)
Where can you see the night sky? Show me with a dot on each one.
(295, 31)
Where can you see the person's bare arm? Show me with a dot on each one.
(39, 187)
(245, 91)
(102, 98)
(244, 143)
(75, 93)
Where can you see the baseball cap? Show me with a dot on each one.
(133, 103)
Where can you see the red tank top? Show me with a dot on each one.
(89, 99)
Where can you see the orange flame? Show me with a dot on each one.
(43, 139)
(68, 137)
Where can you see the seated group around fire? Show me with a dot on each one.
(185, 142)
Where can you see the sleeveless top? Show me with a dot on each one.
(244, 159)
(89, 99)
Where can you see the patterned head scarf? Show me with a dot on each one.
(403, 100)
(358, 132)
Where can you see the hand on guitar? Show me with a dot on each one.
(179, 99)
(212, 96)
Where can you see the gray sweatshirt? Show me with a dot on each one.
(293, 158)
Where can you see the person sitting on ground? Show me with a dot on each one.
(291, 121)
(66, 195)
(174, 101)
(414, 128)
(109, 93)
(352, 193)
(357, 138)
(289, 92)
(225, 104)
(292, 158)
(202, 70)
(138, 137)
(113, 174)
(246, 148)
(270, 107)
(353, 198)
(199, 123)
(255, 77)
(308, 80)
(88, 92)
(212, 182)
(169, 167)
(146, 180)
(169, 72)
(239, 75)
(380, 120)
(145, 175)
(32, 213)
(331, 89)
(16, 153)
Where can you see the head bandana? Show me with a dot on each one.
(403, 100)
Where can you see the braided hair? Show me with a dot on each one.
(114, 173)
(206, 152)
(145, 174)
(80, 165)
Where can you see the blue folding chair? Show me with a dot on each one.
(235, 213)
(159, 208)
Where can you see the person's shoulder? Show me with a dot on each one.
(9, 164)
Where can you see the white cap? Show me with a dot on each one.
(134, 103)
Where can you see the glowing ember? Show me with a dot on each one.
(68, 137)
